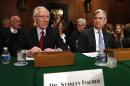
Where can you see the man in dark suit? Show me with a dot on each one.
(89, 39)
(42, 37)
(81, 26)
(11, 35)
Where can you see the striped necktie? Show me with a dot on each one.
(42, 40)
(101, 43)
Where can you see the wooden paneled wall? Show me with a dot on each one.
(118, 10)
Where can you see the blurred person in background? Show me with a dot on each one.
(109, 28)
(81, 26)
(5, 23)
(119, 35)
(62, 29)
(11, 35)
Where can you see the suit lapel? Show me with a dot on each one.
(36, 41)
(92, 35)
(105, 38)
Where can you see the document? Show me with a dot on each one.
(91, 54)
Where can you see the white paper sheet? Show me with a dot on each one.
(91, 54)
(29, 58)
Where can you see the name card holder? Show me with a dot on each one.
(120, 54)
(48, 59)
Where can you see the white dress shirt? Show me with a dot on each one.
(39, 32)
(13, 30)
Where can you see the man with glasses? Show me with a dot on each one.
(42, 37)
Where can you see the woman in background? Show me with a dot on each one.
(62, 29)
(119, 35)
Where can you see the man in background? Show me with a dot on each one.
(11, 35)
(81, 26)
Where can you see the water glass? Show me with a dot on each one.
(21, 58)
(101, 59)
(112, 62)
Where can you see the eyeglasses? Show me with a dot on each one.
(47, 17)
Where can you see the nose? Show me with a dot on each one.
(97, 19)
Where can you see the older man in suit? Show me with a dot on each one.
(81, 26)
(12, 34)
(42, 37)
(95, 38)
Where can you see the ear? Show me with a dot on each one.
(105, 21)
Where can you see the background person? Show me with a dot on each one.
(12, 34)
(62, 29)
(81, 26)
(119, 35)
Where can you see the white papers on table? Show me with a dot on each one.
(29, 58)
(91, 54)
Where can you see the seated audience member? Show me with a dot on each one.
(12, 34)
(62, 29)
(109, 28)
(55, 21)
(95, 38)
(71, 28)
(127, 31)
(119, 35)
(5, 23)
(42, 37)
(81, 26)
(126, 41)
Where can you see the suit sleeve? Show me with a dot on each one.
(113, 42)
(82, 43)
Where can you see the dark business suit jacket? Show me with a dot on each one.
(87, 42)
(74, 40)
(10, 40)
(51, 40)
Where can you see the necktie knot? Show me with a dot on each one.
(42, 33)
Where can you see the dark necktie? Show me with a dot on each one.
(42, 40)
(101, 43)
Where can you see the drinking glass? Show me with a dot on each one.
(21, 58)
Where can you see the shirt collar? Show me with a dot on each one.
(95, 30)
(39, 31)
(13, 30)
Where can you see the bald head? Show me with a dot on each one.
(15, 22)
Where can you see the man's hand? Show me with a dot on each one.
(51, 50)
(33, 50)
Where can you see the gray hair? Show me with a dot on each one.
(81, 20)
(100, 11)
(37, 9)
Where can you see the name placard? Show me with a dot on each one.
(76, 78)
